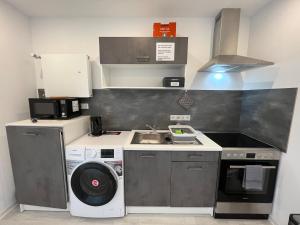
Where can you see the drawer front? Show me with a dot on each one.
(195, 156)
(193, 184)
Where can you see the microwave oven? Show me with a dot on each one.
(54, 108)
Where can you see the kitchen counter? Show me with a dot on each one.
(49, 123)
(103, 140)
(72, 128)
(207, 144)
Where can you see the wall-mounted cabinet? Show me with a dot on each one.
(143, 50)
(66, 75)
(141, 62)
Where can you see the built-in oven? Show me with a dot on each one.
(247, 177)
(234, 200)
(232, 174)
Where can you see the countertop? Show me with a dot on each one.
(207, 144)
(124, 139)
(103, 140)
(72, 128)
(48, 123)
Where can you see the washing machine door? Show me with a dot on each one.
(94, 184)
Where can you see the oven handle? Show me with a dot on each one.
(243, 167)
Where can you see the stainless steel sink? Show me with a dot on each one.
(151, 138)
(159, 138)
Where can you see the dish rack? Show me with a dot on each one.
(182, 133)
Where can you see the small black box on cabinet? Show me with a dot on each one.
(173, 82)
(294, 219)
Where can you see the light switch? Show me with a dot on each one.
(84, 105)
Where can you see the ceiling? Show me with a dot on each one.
(133, 8)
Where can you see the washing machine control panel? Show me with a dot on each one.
(75, 154)
(91, 153)
(103, 153)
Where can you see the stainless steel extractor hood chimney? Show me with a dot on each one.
(225, 45)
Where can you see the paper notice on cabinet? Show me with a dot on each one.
(165, 51)
(75, 106)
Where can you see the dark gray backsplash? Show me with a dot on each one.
(263, 114)
(267, 115)
(132, 109)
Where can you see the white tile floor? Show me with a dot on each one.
(64, 218)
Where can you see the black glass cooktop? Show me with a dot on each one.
(236, 140)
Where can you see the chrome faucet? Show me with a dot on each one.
(152, 128)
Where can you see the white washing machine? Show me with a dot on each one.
(95, 180)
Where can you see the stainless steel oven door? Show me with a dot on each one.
(231, 188)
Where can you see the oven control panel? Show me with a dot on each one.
(251, 155)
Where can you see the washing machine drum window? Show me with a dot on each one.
(93, 184)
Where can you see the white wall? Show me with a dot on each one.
(275, 35)
(17, 84)
(80, 35)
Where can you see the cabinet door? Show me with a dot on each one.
(139, 50)
(147, 178)
(193, 184)
(124, 50)
(38, 166)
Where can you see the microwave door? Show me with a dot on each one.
(44, 109)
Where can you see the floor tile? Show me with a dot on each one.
(64, 218)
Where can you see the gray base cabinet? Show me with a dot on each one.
(147, 178)
(169, 178)
(38, 164)
(193, 184)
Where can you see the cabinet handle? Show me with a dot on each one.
(142, 58)
(193, 156)
(195, 168)
(148, 156)
(31, 134)
(62, 150)
(243, 167)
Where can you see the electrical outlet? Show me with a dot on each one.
(84, 105)
(186, 117)
(180, 117)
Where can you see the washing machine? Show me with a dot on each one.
(95, 181)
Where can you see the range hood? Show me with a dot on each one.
(225, 45)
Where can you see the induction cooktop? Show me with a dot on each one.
(236, 140)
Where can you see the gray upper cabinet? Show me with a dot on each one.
(193, 184)
(139, 50)
(37, 157)
(147, 178)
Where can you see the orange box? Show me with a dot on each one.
(164, 30)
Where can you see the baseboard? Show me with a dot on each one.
(170, 210)
(8, 210)
(40, 208)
